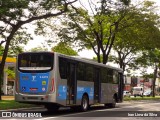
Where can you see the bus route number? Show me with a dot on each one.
(43, 77)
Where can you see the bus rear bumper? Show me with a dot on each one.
(36, 99)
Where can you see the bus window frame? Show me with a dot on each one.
(36, 70)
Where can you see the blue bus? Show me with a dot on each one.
(54, 80)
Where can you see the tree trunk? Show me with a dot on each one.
(2, 64)
(0, 86)
(104, 58)
(154, 80)
(99, 58)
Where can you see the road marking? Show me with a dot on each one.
(74, 114)
(107, 109)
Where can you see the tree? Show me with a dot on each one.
(36, 49)
(11, 73)
(64, 48)
(1, 50)
(150, 58)
(13, 51)
(94, 28)
(137, 36)
(15, 14)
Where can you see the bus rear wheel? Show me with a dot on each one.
(84, 103)
(113, 104)
(52, 108)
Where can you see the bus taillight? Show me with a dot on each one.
(52, 87)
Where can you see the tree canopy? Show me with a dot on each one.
(64, 48)
(137, 36)
(14, 15)
(94, 28)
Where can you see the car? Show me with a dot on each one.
(137, 91)
(126, 93)
(147, 93)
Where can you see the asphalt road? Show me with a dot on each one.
(148, 110)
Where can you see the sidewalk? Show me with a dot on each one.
(6, 97)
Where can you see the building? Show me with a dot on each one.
(8, 84)
(131, 82)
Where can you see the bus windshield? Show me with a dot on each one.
(35, 61)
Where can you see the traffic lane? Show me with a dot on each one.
(121, 110)
(95, 111)
(66, 111)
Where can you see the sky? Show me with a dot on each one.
(39, 41)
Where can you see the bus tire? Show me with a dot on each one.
(52, 108)
(84, 103)
(113, 104)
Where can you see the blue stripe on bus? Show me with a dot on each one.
(62, 92)
(82, 90)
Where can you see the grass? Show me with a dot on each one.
(11, 104)
(141, 98)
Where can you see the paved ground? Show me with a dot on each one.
(7, 97)
(134, 110)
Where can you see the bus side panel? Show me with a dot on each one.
(61, 84)
(85, 87)
(105, 93)
(62, 91)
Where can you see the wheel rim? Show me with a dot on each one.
(114, 102)
(85, 103)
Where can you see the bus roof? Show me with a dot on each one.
(78, 58)
(90, 61)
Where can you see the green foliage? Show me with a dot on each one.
(146, 76)
(141, 98)
(126, 2)
(96, 59)
(94, 28)
(149, 58)
(64, 48)
(96, 31)
(136, 35)
(11, 73)
(13, 51)
(15, 14)
(1, 50)
(36, 49)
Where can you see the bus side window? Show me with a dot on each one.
(89, 73)
(63, 68)
(104, 75)
(110, 75)
(115, 77)
(80, 71)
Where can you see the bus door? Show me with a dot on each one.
(71, 84)
(120, 87)
(97, 94)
